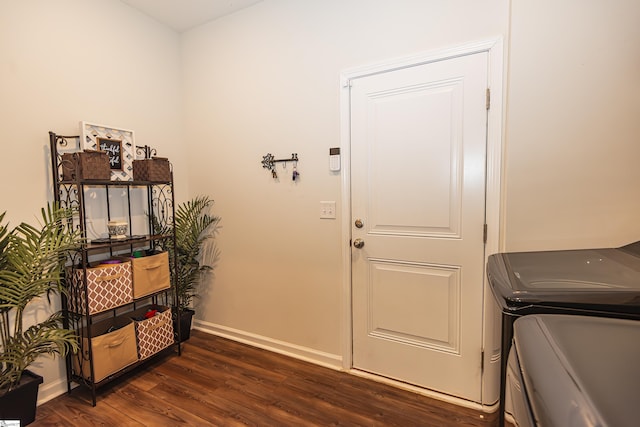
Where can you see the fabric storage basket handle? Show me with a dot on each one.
(158, 325)
(109, 277)
(114, 344)
(152, 267)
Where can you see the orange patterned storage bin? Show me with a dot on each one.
(153, 334)
(108, 286)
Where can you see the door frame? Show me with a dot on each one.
(493, 204)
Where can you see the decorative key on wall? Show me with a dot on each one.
(269, 163)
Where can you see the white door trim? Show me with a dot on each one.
(494, 47)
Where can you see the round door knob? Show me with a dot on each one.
(358, 243)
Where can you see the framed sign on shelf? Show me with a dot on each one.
(117, 143)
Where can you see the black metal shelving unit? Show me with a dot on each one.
(159, 204)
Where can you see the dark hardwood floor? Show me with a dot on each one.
(224, 383)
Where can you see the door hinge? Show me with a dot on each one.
(488, 98)
(482, 361)
(484, 233)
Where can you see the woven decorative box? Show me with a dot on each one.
(157, 169)
(113, 347)
(155, 333)
(88, 164)
(108, 286)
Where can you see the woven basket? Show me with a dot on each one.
(156, 169)
(88, 164)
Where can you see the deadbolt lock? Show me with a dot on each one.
(359, 223)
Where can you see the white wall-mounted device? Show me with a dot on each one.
(334, 159)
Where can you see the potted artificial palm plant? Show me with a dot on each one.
(31, 264)
(196, 254)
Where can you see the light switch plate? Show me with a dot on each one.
(328, 210)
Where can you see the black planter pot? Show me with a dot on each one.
(20, 403)
(186, 316)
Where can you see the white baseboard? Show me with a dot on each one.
(317, 357)
(49, 391)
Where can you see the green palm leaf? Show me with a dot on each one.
(31, 264)
(196, 252)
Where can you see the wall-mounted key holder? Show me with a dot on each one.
(269, 163)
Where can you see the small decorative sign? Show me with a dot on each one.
(113, 148)
(117, 143)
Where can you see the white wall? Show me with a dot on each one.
(70, 60)
(266, 80)
(573, 122)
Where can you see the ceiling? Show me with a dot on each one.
(182, 15)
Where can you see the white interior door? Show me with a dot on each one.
(418, 150)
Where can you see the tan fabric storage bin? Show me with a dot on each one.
(112, 351)
(155, 333)
(108, 286)
(150, 274)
